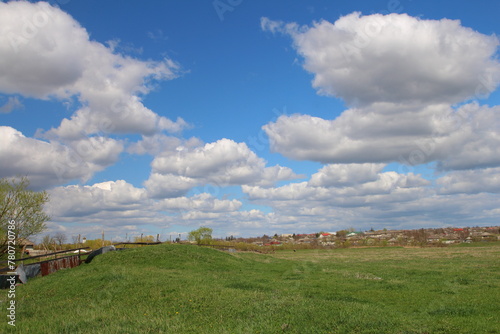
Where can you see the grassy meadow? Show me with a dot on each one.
(190, 289)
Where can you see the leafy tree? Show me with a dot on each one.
(96, 243)
(203, 235)
(24, 207)
(342, 233)
(145, 238)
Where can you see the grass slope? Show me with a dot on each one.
(187, 289)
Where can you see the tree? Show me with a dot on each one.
(21, 208)
(76, 240)
(60, 238)
(96, 243)
(342, 233)
(48, 241)
(146, 238)
(203, 235)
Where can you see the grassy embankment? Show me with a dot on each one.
(188, 289)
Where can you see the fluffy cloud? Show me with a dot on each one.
(41, 49)
(168, 185)
(160, 142)
(119, 208)
(115, 207)
(329, 200)
(458, 139)
(345, 175)
(470, 181)
(377, 199)
(329, 185)
(221, 163)
(45, 53)
(476, 141)
(50, 163)
(111, 196)
(400, 75)
(202, 202)
(378, 133)
(394, 58)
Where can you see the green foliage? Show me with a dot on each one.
(145, 238)
(203, 235)
(342, 233)
(22, 205)
(96, 243)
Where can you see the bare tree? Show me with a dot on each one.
(76, 240)
(60, 238)
(48, 241)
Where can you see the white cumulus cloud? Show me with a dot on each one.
(202, 202)
(470, 181)
(402, 78)
(45, 53)
(221, 163)
(52, 163)
(110, 197)
(379, 198)
(394, 58)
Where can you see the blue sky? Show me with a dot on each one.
(253, 117)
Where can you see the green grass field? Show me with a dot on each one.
(188, 289)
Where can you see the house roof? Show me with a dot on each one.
(25, 242)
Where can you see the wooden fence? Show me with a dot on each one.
(5, 268)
